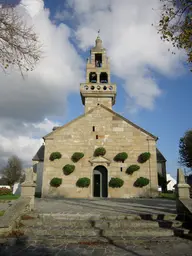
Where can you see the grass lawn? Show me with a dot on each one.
(2, 213)
(171, 196)
(9, 197)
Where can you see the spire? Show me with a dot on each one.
(98, 88)
(98, 41)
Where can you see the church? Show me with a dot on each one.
(100, 153)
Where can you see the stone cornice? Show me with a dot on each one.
(99, 160)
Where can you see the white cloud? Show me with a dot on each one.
(23, 139)
(26, 106)
(133, 45)
(22, 146)
(46, 125)
(33, 7)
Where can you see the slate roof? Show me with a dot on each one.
(160, 157)
(108, 109)
(39, 156)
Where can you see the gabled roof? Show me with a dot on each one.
(129, 122)
(40, 154)
(65, 125)
(108, 109)
(160, 157)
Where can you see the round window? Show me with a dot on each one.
(86, 87)
(110, 88)
(104, 88)
(92, 87)
(98, 87)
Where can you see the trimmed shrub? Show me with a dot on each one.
(55, 155)
(100, 151)
(68, 169)
(116, 183)
(5, 191)
(132, 168)
(56, 182)
(141, 182)
(121, 157)
(77, 156)
(83, 182)
(144, 157)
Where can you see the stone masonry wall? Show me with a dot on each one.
(115, 135)
(91, 102)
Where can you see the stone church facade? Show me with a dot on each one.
(98, 127)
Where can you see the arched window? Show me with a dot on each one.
(103, 77)
(93, 77)
(98, 60)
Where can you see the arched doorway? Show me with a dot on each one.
(100, 181)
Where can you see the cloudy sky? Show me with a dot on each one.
(153, 85)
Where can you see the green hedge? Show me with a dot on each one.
(56, 182)
(55, 155)
(77, 156)
(144, 157)
(116, 183)
(132, 168)
(121, 157)
(100, 151)
(68, 169)
(5, 191)
(141, 182)
(83, 182)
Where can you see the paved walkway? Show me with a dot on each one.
(105, 206)
(4, 206)
(175, 246)
(154, 247)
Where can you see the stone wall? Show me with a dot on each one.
(92, 102)
(13, 214)
(116, 136)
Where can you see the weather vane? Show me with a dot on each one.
(98, 32)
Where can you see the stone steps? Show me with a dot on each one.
(63, 216)
(93, 232)
(78, 228)
(100, 223)
(84, 240)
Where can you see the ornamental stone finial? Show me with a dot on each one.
(30, 177)
(180, 176)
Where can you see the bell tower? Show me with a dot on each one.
(98, 87)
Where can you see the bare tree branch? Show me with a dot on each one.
(19, 45)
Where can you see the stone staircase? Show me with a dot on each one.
(86, 229)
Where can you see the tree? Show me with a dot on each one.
(13, 172)
(19, 45)
(175, 24)
(3, 181)
(185, 149)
